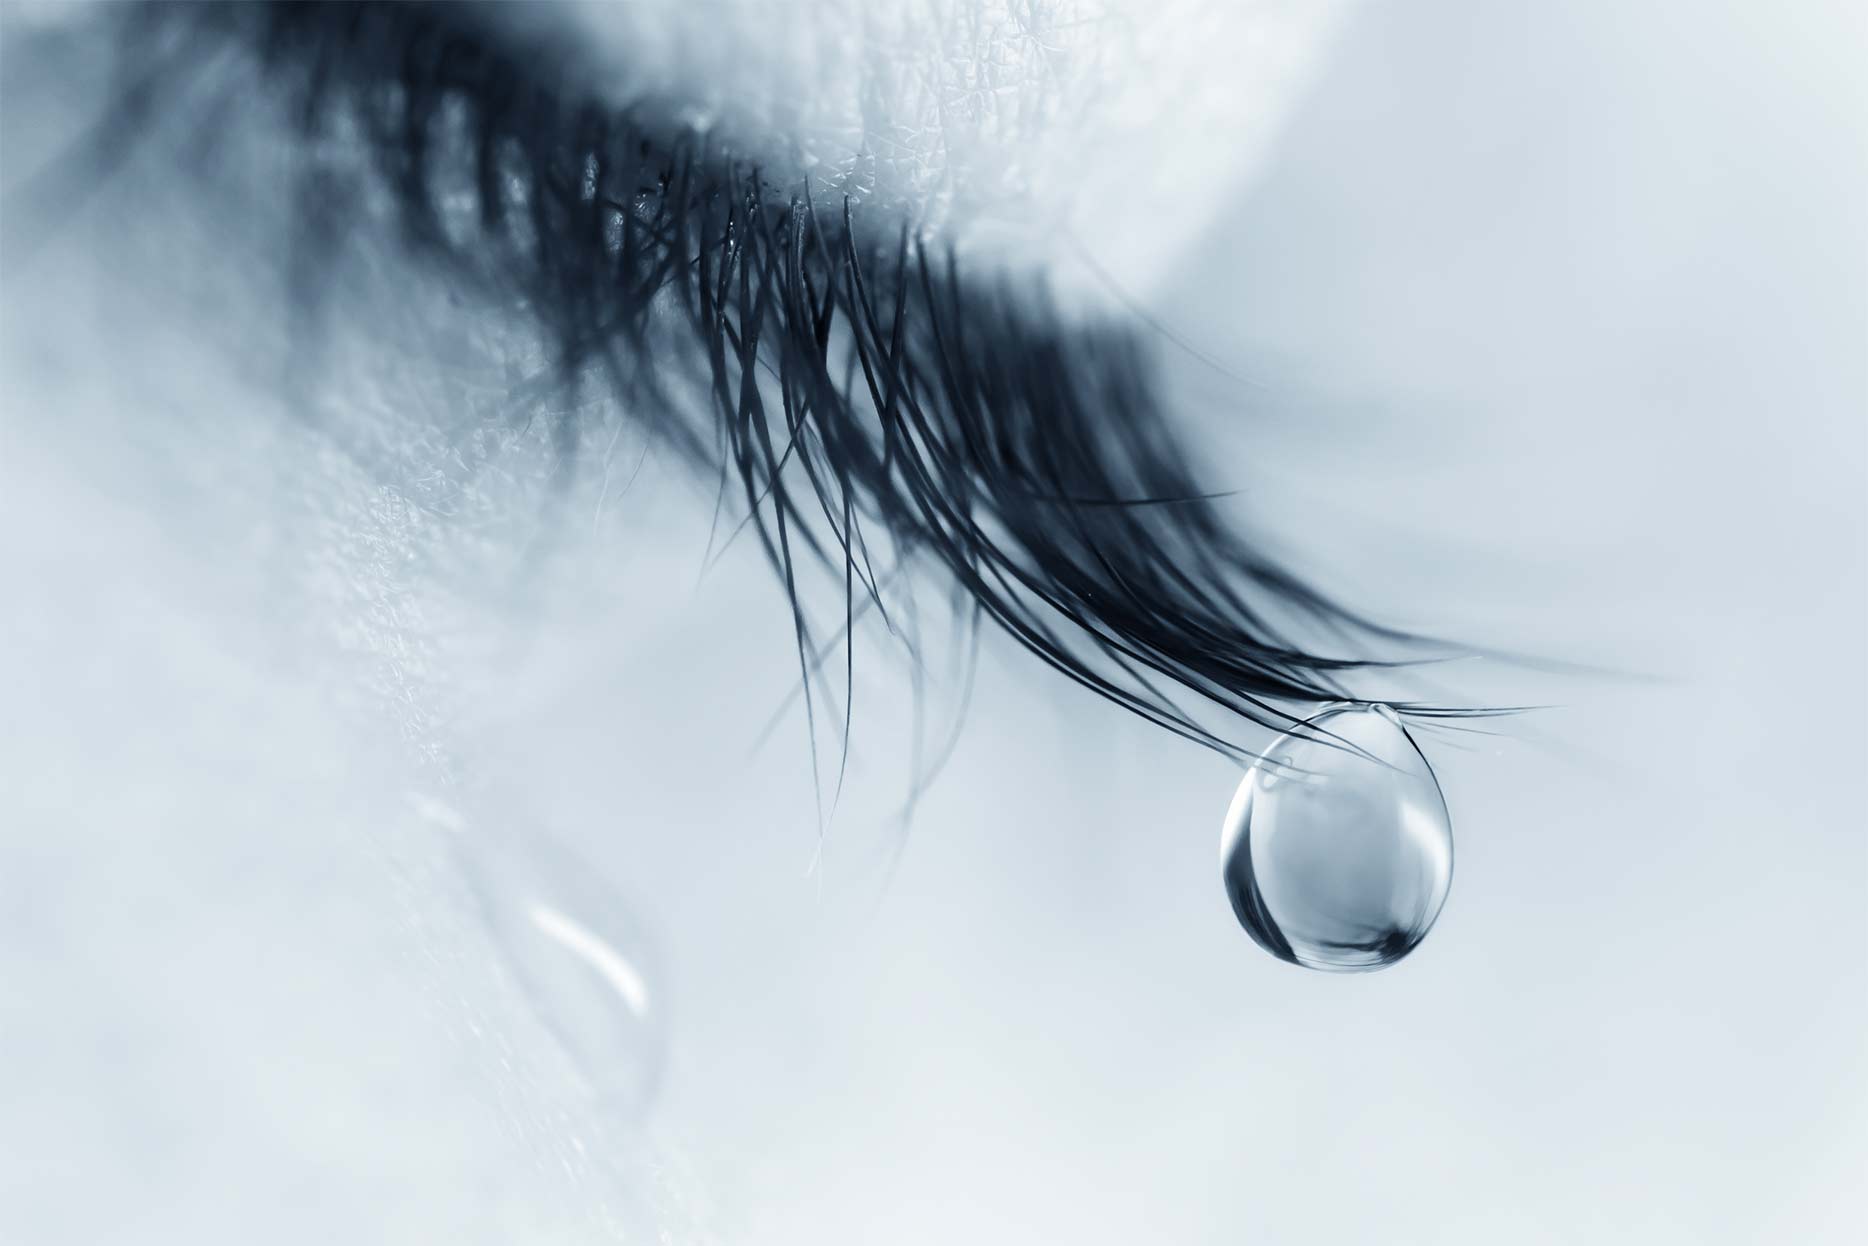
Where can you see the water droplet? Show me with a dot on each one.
(1337, 851)
(582, 961)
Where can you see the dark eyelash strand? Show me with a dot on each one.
(865, 393)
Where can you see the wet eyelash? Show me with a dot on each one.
(863, 392)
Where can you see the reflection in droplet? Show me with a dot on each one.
(1337, 851)
(583, 962)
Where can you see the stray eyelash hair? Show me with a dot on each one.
(862, 393)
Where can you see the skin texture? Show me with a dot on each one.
(1123, 123)
(293, 694)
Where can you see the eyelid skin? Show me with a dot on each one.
(1023, 129)
(863, 393)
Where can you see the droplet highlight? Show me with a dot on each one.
(1337, 851)
(581, 959)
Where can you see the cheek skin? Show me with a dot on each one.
(243, 972)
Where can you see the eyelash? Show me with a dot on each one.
(932, 414)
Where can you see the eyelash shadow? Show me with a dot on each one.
(863, 392)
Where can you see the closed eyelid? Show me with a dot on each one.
(861, 391)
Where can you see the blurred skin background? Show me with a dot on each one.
(1548, 334)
